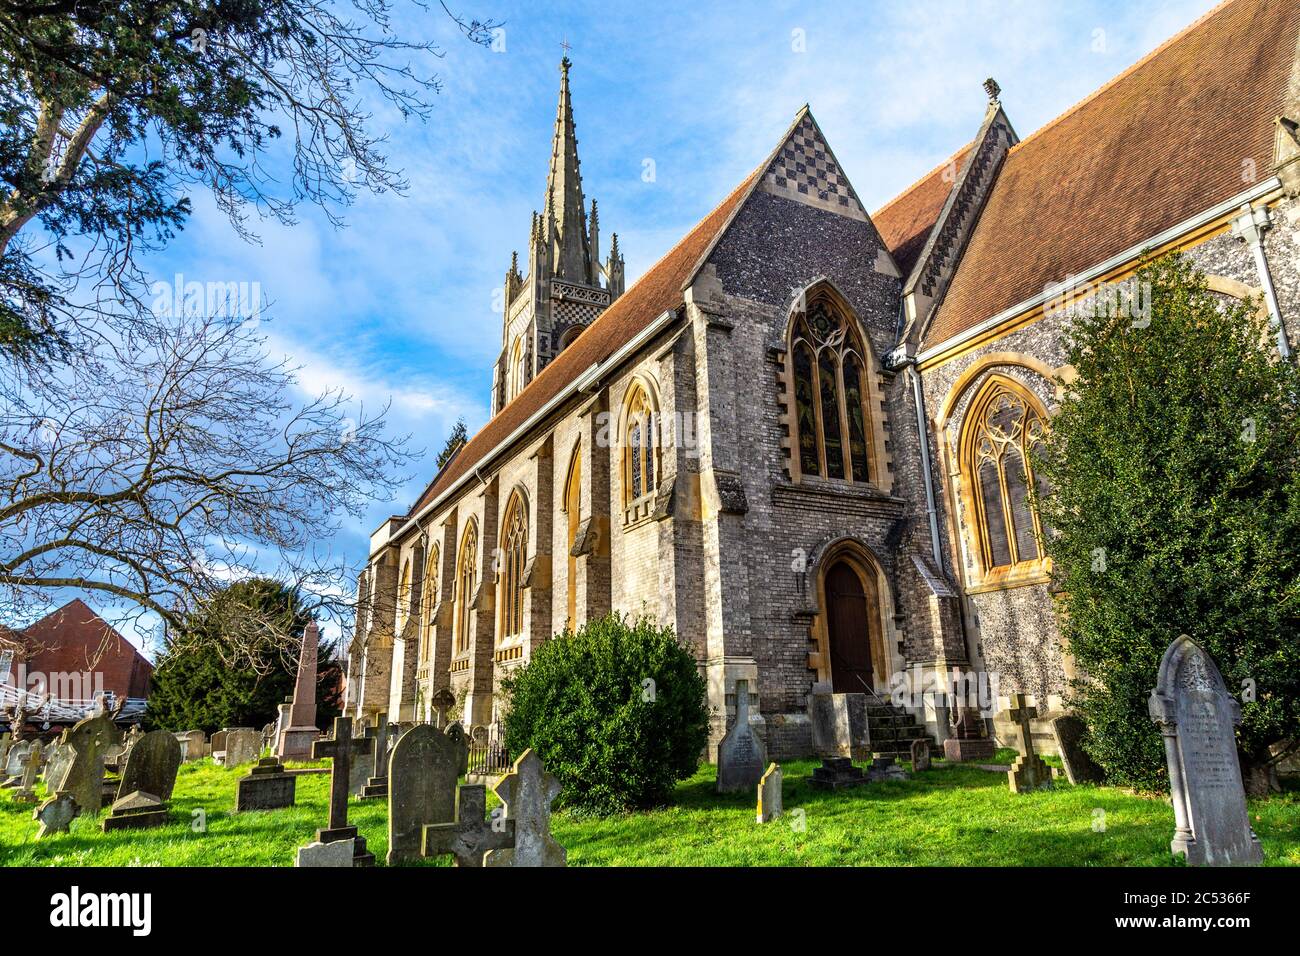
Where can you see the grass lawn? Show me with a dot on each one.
(947, 816)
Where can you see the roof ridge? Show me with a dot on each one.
(1124, 74)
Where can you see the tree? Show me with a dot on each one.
(112, 112)
(196, 685)
(616, 711)
(1172, 477)
(457, 438)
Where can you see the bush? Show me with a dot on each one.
(586, 704)
(1173, 469)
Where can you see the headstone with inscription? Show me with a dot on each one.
(1197, 718)
(422, 775)
(152, 765)
(741, 755)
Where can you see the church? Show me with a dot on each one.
(802, 437)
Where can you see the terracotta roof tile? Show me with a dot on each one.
(1164, 141)
(658, 290)
(906, 220)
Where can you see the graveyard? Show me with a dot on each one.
(947, 816)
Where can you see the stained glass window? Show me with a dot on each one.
(514, 546)
(465, 584)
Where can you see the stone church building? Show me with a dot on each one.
(800, 439)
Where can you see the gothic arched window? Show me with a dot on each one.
(640, 446)
(518, 369)
(1001, 429)
(403, 597)
(514, 554)
(831, 414)
(466, 581)
(573, 511)
(428, 603)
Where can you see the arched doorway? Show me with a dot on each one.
(851, 610)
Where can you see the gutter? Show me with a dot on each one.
(1249, 227)
(1052, 291)
(918, 398)
(584, 383)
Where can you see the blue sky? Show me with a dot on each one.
(399, 304)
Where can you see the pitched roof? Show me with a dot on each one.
(76, 632)
(657, 291)
(1162, 142)
(905, 221)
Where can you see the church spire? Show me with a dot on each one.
(570, 249)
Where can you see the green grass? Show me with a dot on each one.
(948, 816)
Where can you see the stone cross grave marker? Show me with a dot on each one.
(27, 789)
(470, 837)
(1069, 731)
(1028, 772)
(152, 765)
(55, 815)
(443, 701)
(377, 785)
(340, 750)
(740, 753)
(422, 775)
(1197, 719)
(770, 799)
(528, 792)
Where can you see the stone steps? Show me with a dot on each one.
(893, 730)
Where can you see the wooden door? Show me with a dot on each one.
(849, 630)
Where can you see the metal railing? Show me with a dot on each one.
(38, 707)
(488, 755)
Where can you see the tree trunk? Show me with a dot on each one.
(1259, 775)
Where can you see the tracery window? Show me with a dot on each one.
(403, 597)
(640, 446)
(514, 554)
(573, 511)
(428, 603)
(518, 369)
(1004, 425)
(466, 581)
(832, 421)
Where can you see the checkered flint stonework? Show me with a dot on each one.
(805, 166)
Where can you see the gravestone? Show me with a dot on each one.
(968, 742)
(528, 792)
(342, 750)
(740, 752)
(84, 778)
(136, 811)
(56, 767)
(17, 760)
(300, 732)
(1028, 773)
(267, 787)
(840, 727)
(442, 702)
(27, 786)
(377, 785)
(422, 775)
(770, 798)
(243, 745)
(6, 741)
(152, 766)
(885, 767)
(1197, 719)
(920, 755)
(55, 815)
(338, 853)
(192, 744)
(218, 742)
(1069, 732)
(470, 837)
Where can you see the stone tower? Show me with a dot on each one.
(566, 285)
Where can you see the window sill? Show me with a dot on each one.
(512, 650)
(460, 663)
(639, 511)
(1020, 576)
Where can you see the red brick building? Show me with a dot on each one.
(76, 640)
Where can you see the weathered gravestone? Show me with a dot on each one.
(56, 767)
(841, 733)
(1069, 732)
(920, 755)
(442, 702)
(342, 750)
(243, 745)
(218, 745)
(968, 741)
(27, 783)
(267, 787)
(300, 732)
(422, 775)
(377, 784)
(770, 799)
(528, 792)
(84, 778)
(1029, 772)
(6, 741)
(740, 752)
(17, 760)
(152, 766)
(1197, 718)
(339, 853)
(192, 743)
(137, 810)
(470, 837)
(55, 815)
